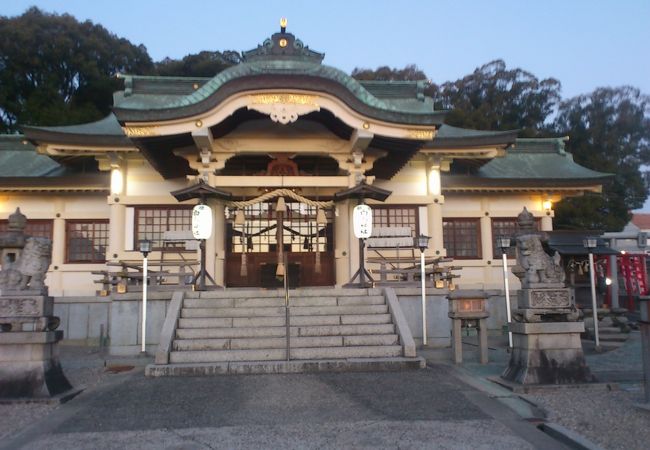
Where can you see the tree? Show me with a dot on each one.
(496, 98)
(384, 73)
(203, 64)
(55, 70)
(609, 131)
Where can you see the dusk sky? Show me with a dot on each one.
(584, 44)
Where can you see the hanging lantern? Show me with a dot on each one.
(280, 206)
(279, 272)
(240, 217)
(320, 217)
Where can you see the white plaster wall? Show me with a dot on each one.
(143, 181)
(62, 279)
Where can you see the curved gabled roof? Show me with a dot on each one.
(106, 131)
(282, 62)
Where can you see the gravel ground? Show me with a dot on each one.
(84, 368)
(607, 418)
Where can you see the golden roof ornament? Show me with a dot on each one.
(283, 25)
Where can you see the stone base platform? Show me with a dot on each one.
(547, 353)
(278, 367)
(29, 365)
(542, 388)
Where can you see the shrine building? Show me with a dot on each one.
(280, 132)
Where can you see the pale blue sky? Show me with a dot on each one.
(585, 44)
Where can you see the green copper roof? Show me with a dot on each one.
(18, 158)
(544, 159)
(106, 131)
(282, 62)
(453, 137)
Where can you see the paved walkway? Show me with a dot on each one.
(429, 408)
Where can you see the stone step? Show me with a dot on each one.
(345, 330)
(280, 311)
(205, 356)
(293, 293)
(225, 322)
(608, 330)
(233, 312)
(361, 300)
(294, 366)
(370, 351)
(201, 356)
(278, 302)
(227, 333)
(280, 342)
(279, 331)
(338, 310)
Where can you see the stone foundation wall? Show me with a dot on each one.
(82, 318)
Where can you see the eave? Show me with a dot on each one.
(96, 183)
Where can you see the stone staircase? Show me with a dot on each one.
(613, 329)
(244, 331)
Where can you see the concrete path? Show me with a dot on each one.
(417, 409)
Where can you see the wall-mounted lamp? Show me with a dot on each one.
(117, 181)
(547, 205)
(434, 181)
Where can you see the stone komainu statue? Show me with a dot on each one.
(25, 259)
(534, 265)
(33, 263)
(538, 266)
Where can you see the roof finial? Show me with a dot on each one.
(283, 24)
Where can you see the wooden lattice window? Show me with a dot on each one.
(86, 241)
(301, 233)
(151, 222)
(507, 226)
(396, 216)
(34, 227)
(462, 238)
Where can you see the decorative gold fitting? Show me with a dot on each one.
(139, 131)
(366, 125)
(198, 124)
(421, 134)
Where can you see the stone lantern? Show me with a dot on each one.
(468, 305)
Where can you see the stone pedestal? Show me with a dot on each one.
(29, 363)
(547, 353)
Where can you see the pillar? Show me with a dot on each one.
(613, 274)
(58, 235)
(117, 216)
(434, 210)
(353, 247)
(342, 227)
(117, 211)
(216, 255)
(54, 281)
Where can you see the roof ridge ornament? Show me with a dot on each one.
(283, 46)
